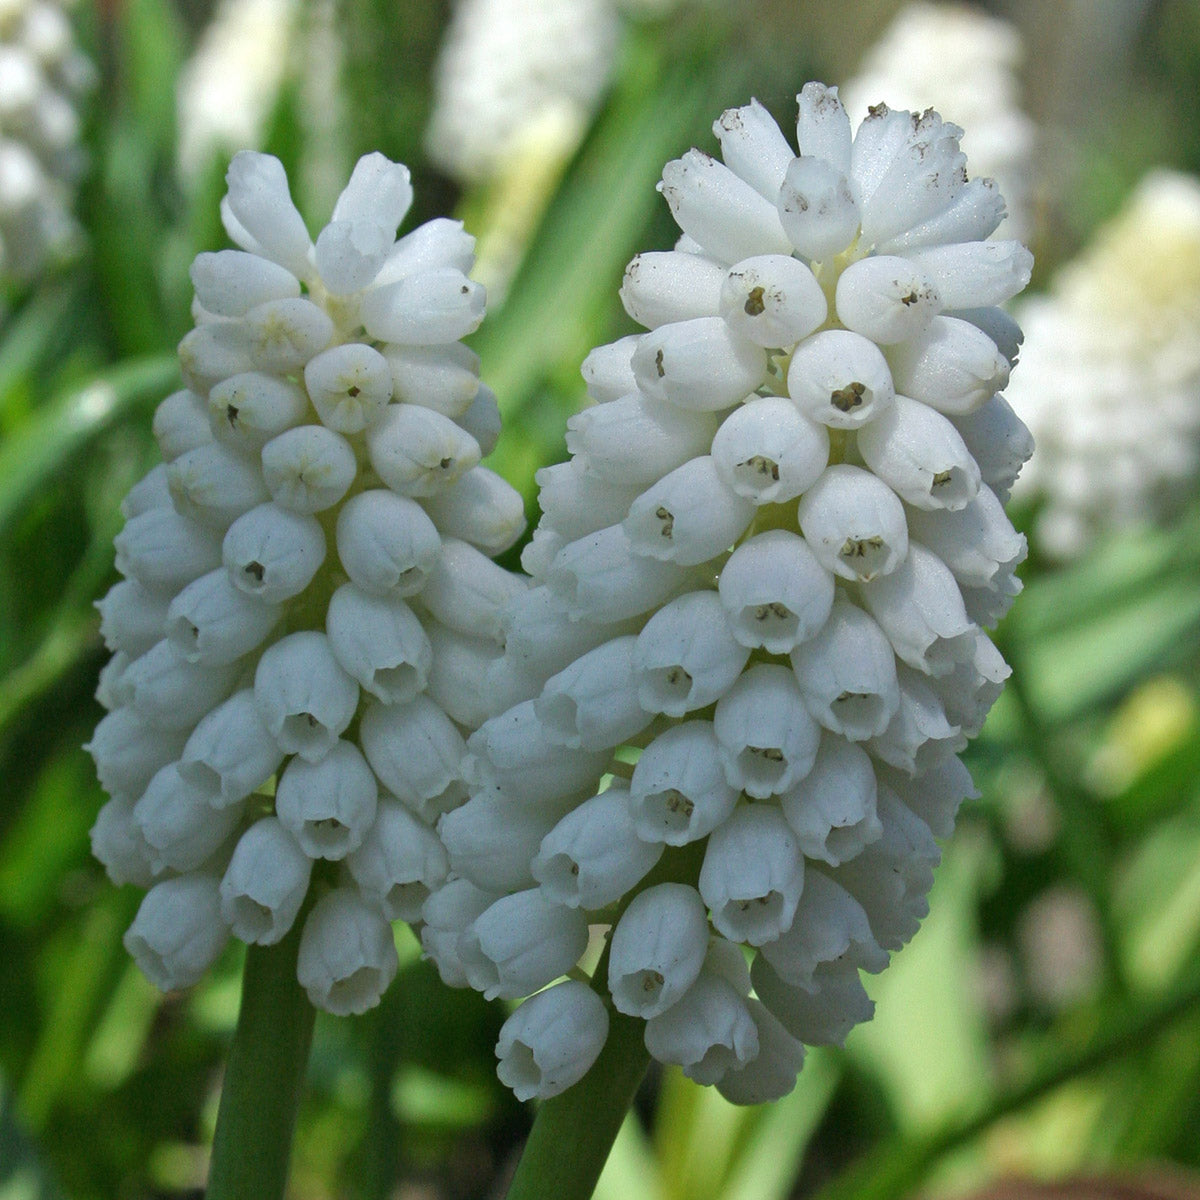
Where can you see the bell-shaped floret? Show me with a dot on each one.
(686, 657)
(753, 875)
(349, 385)
(387, 543)
(830, 926)
(886, 299)
(427, 308)
(854, 523)
(847, 674)
(699, 364)
(768, 740)
(398, 863)
(574, 501)
(593, 856)
(178, 931)
(132, 619)
(272, 553)
(920, 609)
(952, 366)
(608, 371)
(347, 956)
(230, 283)
(282, 335)
(172, 693)
(250, 409)
(259, 215)
(265, 883)
(840, 379)
(231, 753)
(978, 542)
(419, 452)
(823, 126)
(379, 642)
(663, 287)
(481, 508)
(972, 215)
(891, 877)
(329, 805)
(445, 914)
(679, 792)
(164, 551)
(822, 1014)
(707, 1032)
(772, 1073)
(688, 516)
(920, 730)
(969, 691)
(832, 809)
(817, 208)
(920, 454)
(975, 274)
(308, 469)
(936, 794)
(724, 214)
(468, 592)
(304, 696)
(118, 843)
(129, 750)
(552, 1040)
(1000, 326)
(769, 452)
(631, 442)
(515, 753)
(774, 591)
(773, 300)
(998, 441)
(599, 577)
(753, 147)
(444, 378)
(657, 949)
(416, 751)
(213, 623)
(441, 242)
(178, 825)
(214, 485)
(492, 840)
(521, 943)
(212, 352)
(151, 491)
(593, 703)
(458, 663)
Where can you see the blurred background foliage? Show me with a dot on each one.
(1046, 1020)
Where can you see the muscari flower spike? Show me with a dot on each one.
(729, 711)
(308, 595)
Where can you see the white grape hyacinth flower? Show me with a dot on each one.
(759, 580)
(1111, 382)
(320, 526)
(965, 63)
(43, 76)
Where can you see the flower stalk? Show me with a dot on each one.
(264, 1077)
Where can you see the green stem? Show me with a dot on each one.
(263, 1081)
(573, 1133)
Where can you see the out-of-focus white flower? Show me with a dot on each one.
(964, 63)
(730, 590)
(42, 77)
(515, 73)
(228, 87)
(267, 712)
(1110, 378)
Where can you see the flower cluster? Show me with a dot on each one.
(307, 592)
(41, 75)
(1111, 388)
(734, 697)
(964, 63)
(516, 73)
